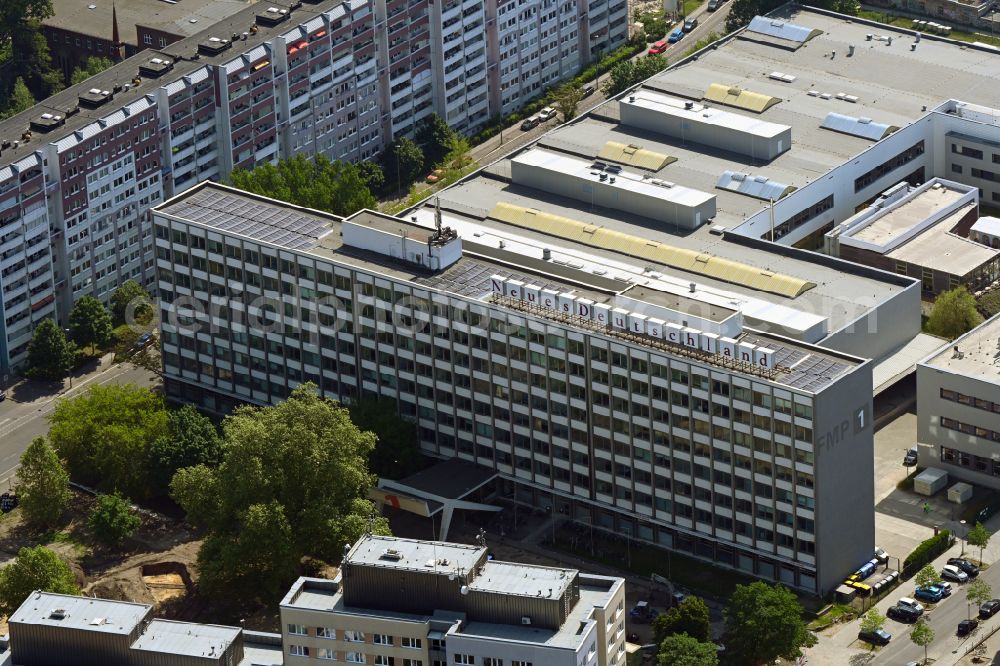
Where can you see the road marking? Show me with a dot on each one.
(4, 421)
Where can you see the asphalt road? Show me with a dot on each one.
(513, 138)
(24, 414)
(943, 619)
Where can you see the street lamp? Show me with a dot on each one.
(964, 534)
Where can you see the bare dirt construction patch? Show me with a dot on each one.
(165, 548)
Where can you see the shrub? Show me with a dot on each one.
(927, 551)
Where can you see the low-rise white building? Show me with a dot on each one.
(424, 603)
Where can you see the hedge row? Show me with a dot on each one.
(927, 551)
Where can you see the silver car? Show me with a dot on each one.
(951, 572)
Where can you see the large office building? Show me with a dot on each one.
(958, 407)
(600, 318)
(51, 629)
(402, 602)
(79, 172)
(678, 396)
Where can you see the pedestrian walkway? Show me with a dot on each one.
(839, 645)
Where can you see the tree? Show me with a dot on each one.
(926, 576)
(922, 635)
(690, 617)
(21, 37)
(292, 476)
(91, 67)
(626, 74)
(397, 450)
(17, 14)
(683, 650)
(404, 160)
(332, 186)
(191, 439)
(20, 99)
(113, 520)
(872, 620)
(566, 99)
(42, 484)
(105, 435)
(50, 354)
(372, 175)
(977, 593)
(130, 301)
(979, 537)
(35, 568)
(764, 622)
(435, 139)
(953, 314)
(90, 323)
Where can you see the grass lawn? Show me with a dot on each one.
(837, 613)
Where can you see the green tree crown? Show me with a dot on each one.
(113, 520)
(90, 323)
(42, 484)
(50, 354)
(35, 568)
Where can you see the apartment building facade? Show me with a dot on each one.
(461, 608)
(958, 407)
(633, 436)
(341, 78)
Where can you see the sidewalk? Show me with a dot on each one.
(838, 645)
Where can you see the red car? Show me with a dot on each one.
(658, 47)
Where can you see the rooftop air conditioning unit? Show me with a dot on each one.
(57, 614)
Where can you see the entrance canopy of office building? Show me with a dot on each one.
(440, 489)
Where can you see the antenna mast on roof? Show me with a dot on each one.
(771, 212)
(437, 214)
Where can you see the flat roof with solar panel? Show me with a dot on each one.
(612, 269)
(252, 216)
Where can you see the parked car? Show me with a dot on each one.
(676, 35)
(690, 24)
(902, 614)
(546, 114)
(930, 594)
(944, 586)
(987, 512)
(989, 609)
(657, 47)
(952, 572)
(3, 395)
(911, 603)
(910, 459)
(965, 565)
(714, 4)
(877, 637)
(965, 627)
(529, 124)
(143, 340)
(589, 89)
(881, 555)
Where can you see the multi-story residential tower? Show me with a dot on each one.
(79, 171)
(651, 404)
(458, 608)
